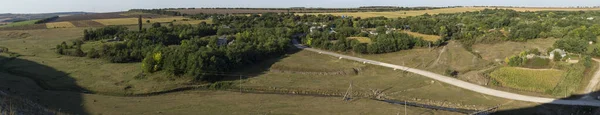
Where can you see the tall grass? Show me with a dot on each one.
(526, 79)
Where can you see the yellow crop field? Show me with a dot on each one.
(132, 21)
(60, 25)
(402, 14)
(527, 79)
(362, 39)
(424, 36)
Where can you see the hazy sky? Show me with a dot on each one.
(43, 6)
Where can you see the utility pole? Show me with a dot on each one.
(405, 113)
(240, 84)
(140, 22)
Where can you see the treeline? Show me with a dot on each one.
(198, 56)
(158, 11)
(108, 32)
(46, 20)
(72, 50)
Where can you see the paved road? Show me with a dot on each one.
(592, 85)
(459, 83)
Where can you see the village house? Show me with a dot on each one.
(561, 52)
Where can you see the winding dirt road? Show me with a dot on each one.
(459, 83)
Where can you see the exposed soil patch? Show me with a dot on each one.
(87, 23)
(26, 27)
(100, 16)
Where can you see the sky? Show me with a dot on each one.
(46, 6)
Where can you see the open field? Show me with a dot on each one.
(499, 51)
(298, 62)
(400, 14)
(132, 21)
(527, 79)
(59, 25)
(22, 23)
(211, 102)
(394, 84)
(362, 39)
(432, 38)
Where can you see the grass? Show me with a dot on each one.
(527, 79)
(22, 23)
(60, 25)
(537, 63)
(92, 74)
(402, 14)
(395, 84)
(233, 103)
(432, 38)
(362, 39)
(499, 51)
(297, 62)
(133, 21)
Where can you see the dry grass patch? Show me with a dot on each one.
(362, 39)
(424, 36)
(306, 61)
(527, 79)
(60, 25)
(499, 51)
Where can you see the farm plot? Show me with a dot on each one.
(22, 23)
(527, 79)
(86, 23)
(59, 25)
(25, 27)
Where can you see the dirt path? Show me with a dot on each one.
(438, 58)
(593, 82)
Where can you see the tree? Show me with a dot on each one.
(557, 56)
(381, 30)
(156, 25)
(587, 61)
(93, 53)
(148, 64)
